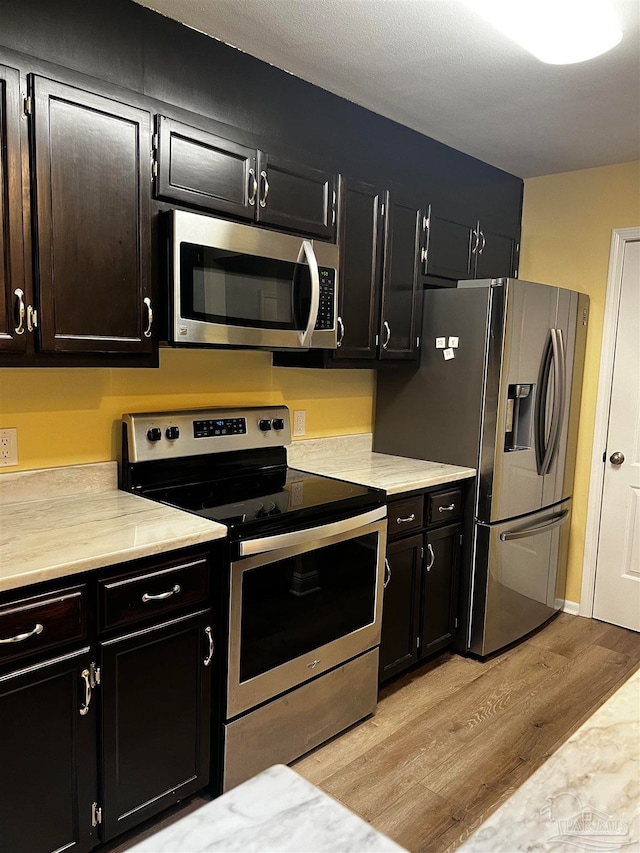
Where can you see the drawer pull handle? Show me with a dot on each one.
(161, 595)
(411, 517)
(20, 638)
(86, 677)
(209, 634)
(432, 558)
(446, 508)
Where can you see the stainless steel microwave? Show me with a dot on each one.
(238, 285)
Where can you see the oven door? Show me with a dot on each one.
(238, 285)
(299, 608)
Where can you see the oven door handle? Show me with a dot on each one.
(306, 250)
(325, 531)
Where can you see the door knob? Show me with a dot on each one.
(616, 458)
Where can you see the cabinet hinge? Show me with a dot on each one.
(154, 169)
(96, 814)
(382, 210)
(377, 339)
(417, 642)
(154, 141)
(95, 675)
(418, 342)
(426, 223)
(26, 105)
(515, 273)
(422, 553)
(455, 624)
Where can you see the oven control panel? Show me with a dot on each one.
(171, 435)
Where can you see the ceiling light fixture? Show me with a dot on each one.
(559, 32)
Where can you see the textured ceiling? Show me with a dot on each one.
(437, 67)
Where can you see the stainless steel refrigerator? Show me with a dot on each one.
(498, 389)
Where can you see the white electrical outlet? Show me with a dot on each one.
(8, 447)
(299, 422)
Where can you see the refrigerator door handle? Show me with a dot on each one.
(523, 532)
(552, 358)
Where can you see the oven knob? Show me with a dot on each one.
(264, 425)
(172, 433)
(154, 434)
(278, 423)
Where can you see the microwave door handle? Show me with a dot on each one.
(306, 250)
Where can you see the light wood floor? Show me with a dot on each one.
(454, 738)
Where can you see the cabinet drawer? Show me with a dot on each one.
(404, 516)
(132, 598)
(30, 625)
(444, 506)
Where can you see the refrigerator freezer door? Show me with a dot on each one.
(531, 311)
(518, 577)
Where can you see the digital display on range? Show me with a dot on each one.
(214, 428)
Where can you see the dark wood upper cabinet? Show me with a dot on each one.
(156, 720)
(295, 197)
(91, 171)
(13, 301)
(48, 779)
(198, 168)
(495, 256)
(360, 251)
(464, 250)
(401, 279)
(449, 248)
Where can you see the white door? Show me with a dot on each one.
(617, 589)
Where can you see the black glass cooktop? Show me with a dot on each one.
(263, 503)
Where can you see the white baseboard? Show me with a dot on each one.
(572, 607)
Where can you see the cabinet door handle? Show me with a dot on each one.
(19, 295)
(265, 189)
(341, 331)
(411, 517)
(86, 677)
(254, 187)
(387, 573)
(32, 318)
(147, 331)
(432, 558)
(446, 508)
(476, 241)
(484, 242)
(20, 638)
(161, 595)
(387, 329)
(209, 634)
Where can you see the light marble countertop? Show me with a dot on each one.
(350, 457)
(275, 812)
(57, 522)
(586, 796)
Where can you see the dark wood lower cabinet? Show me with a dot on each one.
(156, 719)
(419, 613)
(47, 758)
(401, 611)
(440, 588)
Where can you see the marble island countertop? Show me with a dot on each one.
(61, 521)
(275, 812)
(350, 457)
(586, 796)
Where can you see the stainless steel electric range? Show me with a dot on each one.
(306, 560)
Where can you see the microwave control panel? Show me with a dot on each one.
(326, 309)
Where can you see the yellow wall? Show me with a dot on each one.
(566, 239)
(69, 416)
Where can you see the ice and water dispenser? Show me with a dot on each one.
(519, 417)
